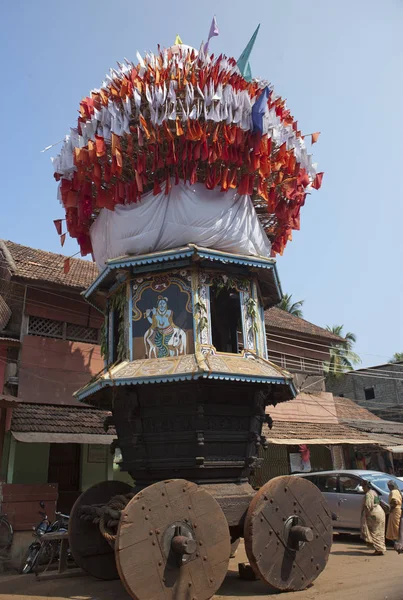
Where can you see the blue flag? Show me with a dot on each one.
(243, 60)
(258, 110)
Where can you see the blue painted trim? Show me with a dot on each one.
(195, 339)
(175, 264)
(242, 302)
(158, 258)
(263, 331)
(104, 383)
(130, 320)
(150, 259)
(111, 336)
(96, 283)
(209, 327)
(249, 262)
(277, 281)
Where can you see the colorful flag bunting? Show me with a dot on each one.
(243, 60)
(214, 31)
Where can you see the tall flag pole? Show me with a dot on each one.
(214, 31)
(243, 60)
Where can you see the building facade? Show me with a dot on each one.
(378, 389)
(299, 346)
(49, 347)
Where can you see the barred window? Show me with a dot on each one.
(62, 330)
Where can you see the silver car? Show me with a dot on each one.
(344, 493)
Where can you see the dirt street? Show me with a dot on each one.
(352, 574)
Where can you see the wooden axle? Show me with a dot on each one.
(183, 545)
(298, 533)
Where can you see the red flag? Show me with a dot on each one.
(317, 182)
(66, 265)
(315, 137)
(58, 225)
(62, 239)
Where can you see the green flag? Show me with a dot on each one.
(243, 60)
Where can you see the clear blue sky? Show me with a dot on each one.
(338, 63)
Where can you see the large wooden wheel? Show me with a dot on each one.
(89, 548)
(173, 543)
(288, 533)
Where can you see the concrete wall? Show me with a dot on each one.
(94, 472)
(52, 370)
(388, 392)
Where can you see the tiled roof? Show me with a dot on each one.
(280, 319)
(288, 432)
(349, 410)
(378, 426)
(39, 265)
(43, 418)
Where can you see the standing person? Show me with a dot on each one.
(395, 514)
(373, 520)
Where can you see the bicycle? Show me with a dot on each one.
(6, 539)
(6, 533)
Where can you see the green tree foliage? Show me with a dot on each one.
(294, 308)
(342, 356)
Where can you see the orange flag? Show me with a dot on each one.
(315, 137)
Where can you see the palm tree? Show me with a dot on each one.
(294, 308)
(342, 357)
(397, 357)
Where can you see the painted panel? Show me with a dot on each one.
(201, 291)
(162, 317)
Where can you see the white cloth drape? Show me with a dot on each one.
(188, 214)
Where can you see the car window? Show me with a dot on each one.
(312, 479)
(381, 481)
(327, 483)
(350, 485)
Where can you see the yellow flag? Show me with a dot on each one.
(178, 40)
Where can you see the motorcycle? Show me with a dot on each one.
(44, 526)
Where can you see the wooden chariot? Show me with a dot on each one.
(188, 380)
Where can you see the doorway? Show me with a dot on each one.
(64, 469)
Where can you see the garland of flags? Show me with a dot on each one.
(182, 115)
